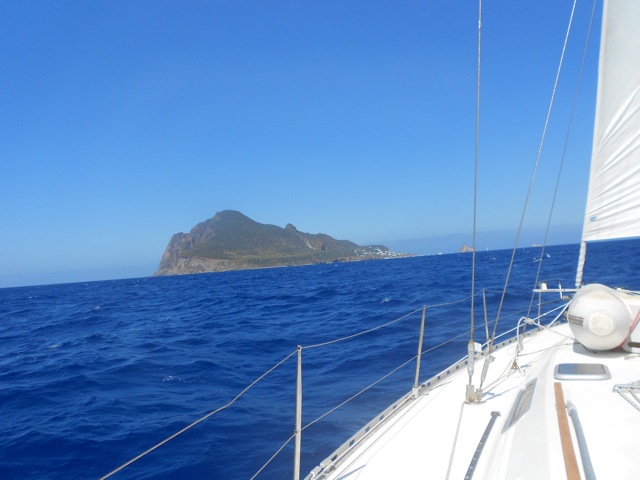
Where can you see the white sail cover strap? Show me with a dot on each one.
(613, 203)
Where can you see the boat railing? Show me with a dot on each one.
(514, 335)
(417, 389)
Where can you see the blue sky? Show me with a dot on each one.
(125, 122)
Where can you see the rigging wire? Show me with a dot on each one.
(471, 297)
(533, 176)
(564, 151)
(475, 197)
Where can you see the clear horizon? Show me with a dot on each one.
(124, 123)
(424, 246)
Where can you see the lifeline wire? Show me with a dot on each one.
(359, 393)
(382, 378)
(349, 337)
(188, 427)
(273, 456)
(237, 397)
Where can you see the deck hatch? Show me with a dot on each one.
(581, 371)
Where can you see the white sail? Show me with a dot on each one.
(613, 200)
(613, 203)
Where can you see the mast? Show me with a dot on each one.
(473, 395)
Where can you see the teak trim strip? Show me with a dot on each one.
(570, 462)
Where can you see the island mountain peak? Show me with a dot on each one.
(232, 241)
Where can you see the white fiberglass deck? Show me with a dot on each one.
(436, 435)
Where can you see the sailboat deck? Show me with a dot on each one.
(437, 434)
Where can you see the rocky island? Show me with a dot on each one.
(465, 248)
(233, 241)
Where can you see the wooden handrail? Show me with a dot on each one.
(569, 453)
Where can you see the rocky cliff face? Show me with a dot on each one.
(232, 241)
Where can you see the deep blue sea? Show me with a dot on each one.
(92, 374)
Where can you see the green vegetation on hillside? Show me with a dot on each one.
(231, 240)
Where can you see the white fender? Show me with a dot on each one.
(599, 317)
